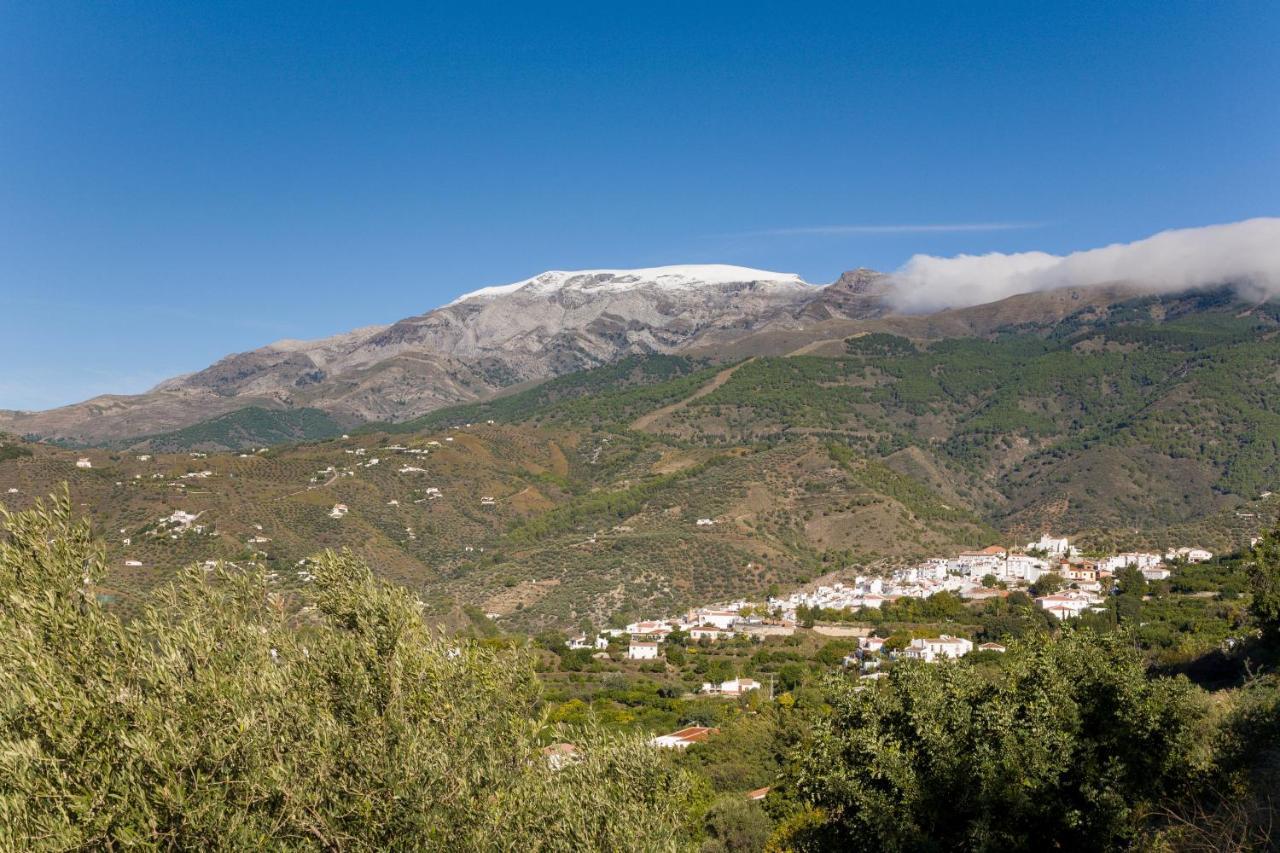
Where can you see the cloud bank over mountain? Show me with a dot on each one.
(1246, 254)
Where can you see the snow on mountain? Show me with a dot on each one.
(548, 325)
(681, 277)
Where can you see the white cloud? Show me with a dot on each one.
(1245, 254)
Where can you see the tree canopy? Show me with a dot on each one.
(1264, 582)
(1063, 748)
(228, 716)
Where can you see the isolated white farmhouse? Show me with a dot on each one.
(931, 649)
(735, 687)
(642, 650)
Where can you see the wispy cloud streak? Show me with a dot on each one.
(847, 230)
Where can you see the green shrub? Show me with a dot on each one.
(228, 717)
(1065, 748)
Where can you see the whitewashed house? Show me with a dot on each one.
(642, 650)
(931, 649)
(870, 645)
(1052, 546)
(1139, 560)
(986, 561)
(1065, 605)
(1191, 555)
(723, 619)
(1023, 567)
(733, 688)
(655, 628)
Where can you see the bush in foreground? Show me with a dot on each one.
(227, 717)
(1068, 746)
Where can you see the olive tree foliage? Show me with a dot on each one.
(225, 717)
(1065, 747)
(1264, 584)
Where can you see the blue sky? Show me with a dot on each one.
(181, 180)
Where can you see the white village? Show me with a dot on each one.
(1080, 584)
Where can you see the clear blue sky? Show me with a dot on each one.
(183, 180)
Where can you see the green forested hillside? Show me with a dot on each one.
(1156, 415)
(249, 427)
(634, 385)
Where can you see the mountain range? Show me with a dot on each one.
(813, 428)
(478, 345)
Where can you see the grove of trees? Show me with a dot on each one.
(228, 717)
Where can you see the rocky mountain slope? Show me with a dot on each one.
(504, 338)
(549, 325)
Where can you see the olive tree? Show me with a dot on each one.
(229, 715)
(1063, 748)
(1264, 585)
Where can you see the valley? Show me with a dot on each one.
(1132, 424)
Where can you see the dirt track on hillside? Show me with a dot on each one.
(645, 421)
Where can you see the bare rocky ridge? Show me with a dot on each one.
(545, 326)
(552, 324)
(859, 294)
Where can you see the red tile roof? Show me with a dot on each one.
(694, 733)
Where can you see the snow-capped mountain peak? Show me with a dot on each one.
(676, 277)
